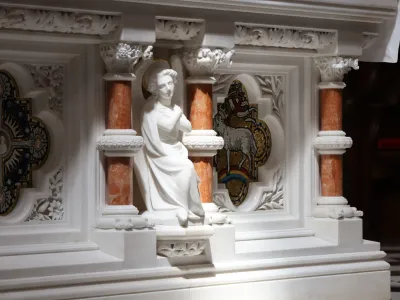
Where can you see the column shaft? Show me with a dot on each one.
(119, 170)
(331, 109)
(200, 101)
(331, 175)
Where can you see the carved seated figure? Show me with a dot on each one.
(172, 179)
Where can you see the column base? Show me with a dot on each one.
(336, 212)
(340, 232)
(213, 217)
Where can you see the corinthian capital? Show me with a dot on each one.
(333, 69)
(121, 58)
(204, 61)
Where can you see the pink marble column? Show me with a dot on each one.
(119, 170)
(200, 103)
(331, 120)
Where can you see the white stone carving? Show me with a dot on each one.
(180, 30)
(51, 78)
(204, 61)
(121, 58)
(273, 198)
(284, 37)
(164, 153)
(57, 21)
(50, 208)
(120, 143)
(273, 85)
(333, 68)
(336, 211)
(203, 142)
(180, 248)
(332, 142)
(369, 39)
(124, 222)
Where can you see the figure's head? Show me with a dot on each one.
(162, 83)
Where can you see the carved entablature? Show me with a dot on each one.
(177, 30)
(58, 21)
(284, 37)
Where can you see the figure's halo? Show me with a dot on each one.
(156, 66)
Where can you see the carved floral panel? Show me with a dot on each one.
(24, 143)
(247, 142)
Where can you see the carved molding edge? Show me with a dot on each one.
(120, 58)
(203, 142)
(180, 248)
(178, 30)
(51, 78)
(50, 208)
(334, 68)
(332, 142)
(57, 21)
(284, 37)
(124, 223)
(369, 39)
(204, 61)
(120, 143)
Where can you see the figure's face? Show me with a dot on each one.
(165, 86)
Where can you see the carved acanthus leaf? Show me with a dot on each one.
(273, 85)
(284, 37)
(50, 208)
(334, 68)
(273, 199)
(50, 78)
(204, 61)
(57, 21)
(177, 29)
(180, 248)
(122, 57)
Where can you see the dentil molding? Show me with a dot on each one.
(179, 30)
(334, 68)
(284, 37)
(57, 21)
(204, 61)
(120, 58)
(50, 78)
(120, 143)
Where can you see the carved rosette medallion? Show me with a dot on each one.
(247, 142)
(204, 61)
(24, 143)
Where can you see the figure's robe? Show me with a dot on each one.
(171, 174)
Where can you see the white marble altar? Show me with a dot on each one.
(65, 238)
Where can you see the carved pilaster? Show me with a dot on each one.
(332, 142)
(120, 142)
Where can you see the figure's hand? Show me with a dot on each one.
(178, 110)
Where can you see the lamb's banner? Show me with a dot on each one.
(247, 142)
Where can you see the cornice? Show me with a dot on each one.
(178, 30)
(274, 36)
(46, 20)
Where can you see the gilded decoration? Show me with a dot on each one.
(247, 142)
(24, 143)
